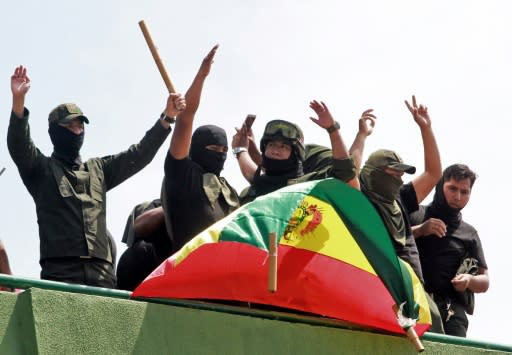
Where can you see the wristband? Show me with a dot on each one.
(238, 150)
(167, 119)
(335, 126)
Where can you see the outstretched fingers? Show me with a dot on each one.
(367, 122)
(20, 73)
(409, 107)
(211, 54)
(20, 82)
(208, 61)
(368, 114)
(318, 108)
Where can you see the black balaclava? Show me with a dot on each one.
(209, 160)
(440, 209)
(274, 167)
(277, 173)
(66, 144)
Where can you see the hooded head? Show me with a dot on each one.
(210, 160)
(66, 143)
(383, 188)
(439, 208)
(375, 180)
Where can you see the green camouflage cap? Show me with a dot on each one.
(65, 113)
(387, 158)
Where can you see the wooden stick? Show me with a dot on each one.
(156, 57)
(415, 340)
(272, 262)
(411, 334)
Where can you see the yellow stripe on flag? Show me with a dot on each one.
(209, 235)
(317, 227)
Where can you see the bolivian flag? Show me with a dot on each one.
(335, 259)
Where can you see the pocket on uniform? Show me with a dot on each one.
(96, 191)
(65, 188)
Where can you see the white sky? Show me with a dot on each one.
(274, 57)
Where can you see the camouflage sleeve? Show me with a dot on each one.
(343, 169)
(21, 147)
(119, 167)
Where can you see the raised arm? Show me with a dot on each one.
(366, 125)
(175, 104)
(254, 150)
(180, 141)
(21, 147)
(241, 145)
(20, 84)
(339, 149)
(426, 181)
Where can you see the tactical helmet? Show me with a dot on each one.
(287, 131)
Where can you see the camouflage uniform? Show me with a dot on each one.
(75, 245)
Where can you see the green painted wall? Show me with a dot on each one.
(40, 321)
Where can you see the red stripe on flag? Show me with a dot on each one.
(306, 281)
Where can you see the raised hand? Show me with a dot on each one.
(175, 104)
(240, 138)
(206, 65)
(420, 113)
(367, 122)
(325, 119)
(20, 82)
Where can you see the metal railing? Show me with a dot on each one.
(16, 282)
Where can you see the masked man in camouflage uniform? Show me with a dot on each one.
(282, 161)
(70, 195)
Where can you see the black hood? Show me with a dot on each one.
(210, 161)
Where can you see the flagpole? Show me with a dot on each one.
(156, 57)
(272, 262)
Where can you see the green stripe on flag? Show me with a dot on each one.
(369, 231)
(264, 215)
